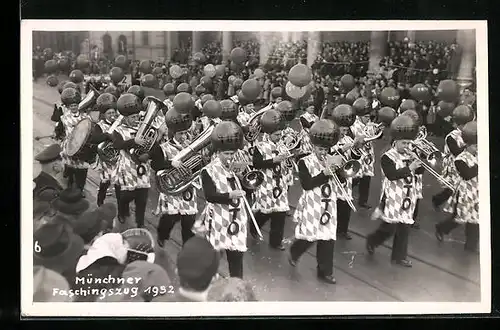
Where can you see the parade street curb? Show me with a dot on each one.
(357, 233)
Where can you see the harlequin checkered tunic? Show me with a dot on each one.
(467, 193)
(183, 204)
(449, 171)
(216, 218)
(400, 195)
(348, 181)
(358, 129)
(312, 204)
(168, 103)
(125, 173)
(69, 121)
(243, 118)
(105, 170)
(310, 117)
(272, 195)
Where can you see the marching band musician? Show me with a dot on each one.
(399, 194)
(224, 219)
(467, 192)
(316, 214)
(308, 118)
(344, 116)
(454, 145)
(271, 197)
(169, 91)
(211, 114)
(174, 208)
(59, 111)
(288, 112)
(76, 169)
(106, 103)
(132, 174)
(359, 127)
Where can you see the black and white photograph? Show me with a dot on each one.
(289, 168)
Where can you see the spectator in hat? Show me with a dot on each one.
(232, 289)
(154, 282)
(42, 213)
(70, 204)
(47, 284)
(197, 265)
(105, 257)
(50, 181)
(94, 224)
(57, 248)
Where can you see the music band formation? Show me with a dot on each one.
(244, 162)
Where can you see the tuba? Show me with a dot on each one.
(148, 130)
(252, 129)
(174, 181)
(90, 99)
(105, 150)
(371, 132)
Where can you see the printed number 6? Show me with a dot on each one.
(38, 249)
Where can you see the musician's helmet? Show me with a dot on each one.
(276, 92)
(287, 110)
(116, 74)
(413, 114)
(112, 90)
(177, 122)
(361, 106)
(212, 109)
(76, 76)
(404, 128)
(271, 121)
(128, 104)
(69, 84)
(351, 97)
(169, 89)
(469, 132)
(389, 97)
(324, 133)
(137, 91)
(407, 104)
(184, 87)
(206, 97)
(242, 99)
(344, 115)
(70, 96)
(386, 115)
(227, 135)
(105, 102)
(60, 86)
(229, 111)
(462, 114)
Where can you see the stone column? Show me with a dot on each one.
(196, 42)
(296, 36)
(227, 45)
(378, 45)
(265, 46)
(411, 35)
(313, 46)
(466, 40)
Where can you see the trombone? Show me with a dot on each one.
(252, 179)
(426, 149)
(350, 166)
(371, 133)
(343, 192)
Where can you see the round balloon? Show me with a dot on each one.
(347, 82)
(295, 92)
(448, 90)
(386, 115)
(445, 109)
(209, 70)
(145, 66)
(242, 99)
(407, 105)
(183, 102)
(259, 73)
(157, 71)
(121, 62)
(169, 89)
(300, 75)
(237, 83)
(199, 57)
(116, 74)
(206, 82)
(389, 97)
(175, 71)
(251, 89)
(52, 81)
(238, 55)
(212, 109)
(183, 88)
(51, 66)
(148, 80)
(420, 92)
(76, 76)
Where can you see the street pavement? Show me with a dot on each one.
(441, 271)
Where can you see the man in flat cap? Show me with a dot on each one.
(49, 182)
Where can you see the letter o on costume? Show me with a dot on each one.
(325, 218)
(406, 203)
(234, 228)
(141, 170)
(277, 191)
(326, 190)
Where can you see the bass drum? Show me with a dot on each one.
(78, 146)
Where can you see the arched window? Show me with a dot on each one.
(122, 44)
(107, 44)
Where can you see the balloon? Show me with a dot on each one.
(82, 61)
(52, 81)
(413, 114)
(116, 74)
(347, 82)
(389, 97)
(300, 75)
(237, 83)
(448, 90)
(212, 109)
(145, 66)
(148, 80)
(220, 70)
(352, 96)
(121, 62)
(207, 97)
(445, 109)
(242, 99)
(175, 71)
(51, 66)
(76, 76)
(199, 57)
(157, 71)
(295, 92)
(169, 89)
(238, 55)
(259, 73)
(206, 82)
(231, 79)
(251, 89)
(420, 92)
(386, 115)
(183, 102)
(407, 105)
(209, 70)
(183, 88)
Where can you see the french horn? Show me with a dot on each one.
(253, 128)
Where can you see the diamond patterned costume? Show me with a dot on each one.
(467, 193)
(69, 121)
(358, 129)
(449, 170)
(105, 170)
